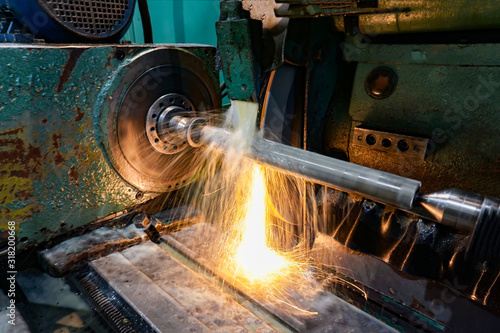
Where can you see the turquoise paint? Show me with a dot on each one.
(178, 21)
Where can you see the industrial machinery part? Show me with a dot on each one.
(73, 21)
(455, 208)
(11, 30)
(412, 93)
(165, 84)
(471, 212)
(379, 186)
(80, 155)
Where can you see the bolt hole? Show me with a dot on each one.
(174, 147)
(155, 115)
(370, 139)
(172, 100)
(157, 140)
(162, 105)
(63, 225)
(177, 185)
(24, 239)
(403, 145)
(386, 143)
(120, 55)
(152, 129)
(139, 195)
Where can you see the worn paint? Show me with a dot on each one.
(455, 107)
(55, 175)
(433, 16)
(239, 65)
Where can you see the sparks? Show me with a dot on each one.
(254, 258)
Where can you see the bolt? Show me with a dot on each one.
(141, 221)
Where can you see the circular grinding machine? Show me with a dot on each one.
(390, 107)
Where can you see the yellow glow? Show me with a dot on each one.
(254, 259)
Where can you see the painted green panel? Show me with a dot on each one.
(455, 107)
(54, 174)
(178, 21)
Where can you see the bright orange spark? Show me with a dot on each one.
(254, 258)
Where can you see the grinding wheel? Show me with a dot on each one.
(165, 80)
(282, 120)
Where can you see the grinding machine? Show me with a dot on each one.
(389, 107)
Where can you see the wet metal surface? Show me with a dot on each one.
(172, 297)
(334, 314)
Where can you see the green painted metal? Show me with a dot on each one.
(178, 21)
(239, 63)
(55, 175)
(456, 107)
(433, 16)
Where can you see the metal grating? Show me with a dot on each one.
(97, 17)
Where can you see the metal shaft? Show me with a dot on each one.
(455, 208)
(370, 183)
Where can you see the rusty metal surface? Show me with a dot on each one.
(74, 253)
(274, 31)
(390, 142)
(433, 16)
(55, 174)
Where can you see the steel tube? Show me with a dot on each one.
(344, 176)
